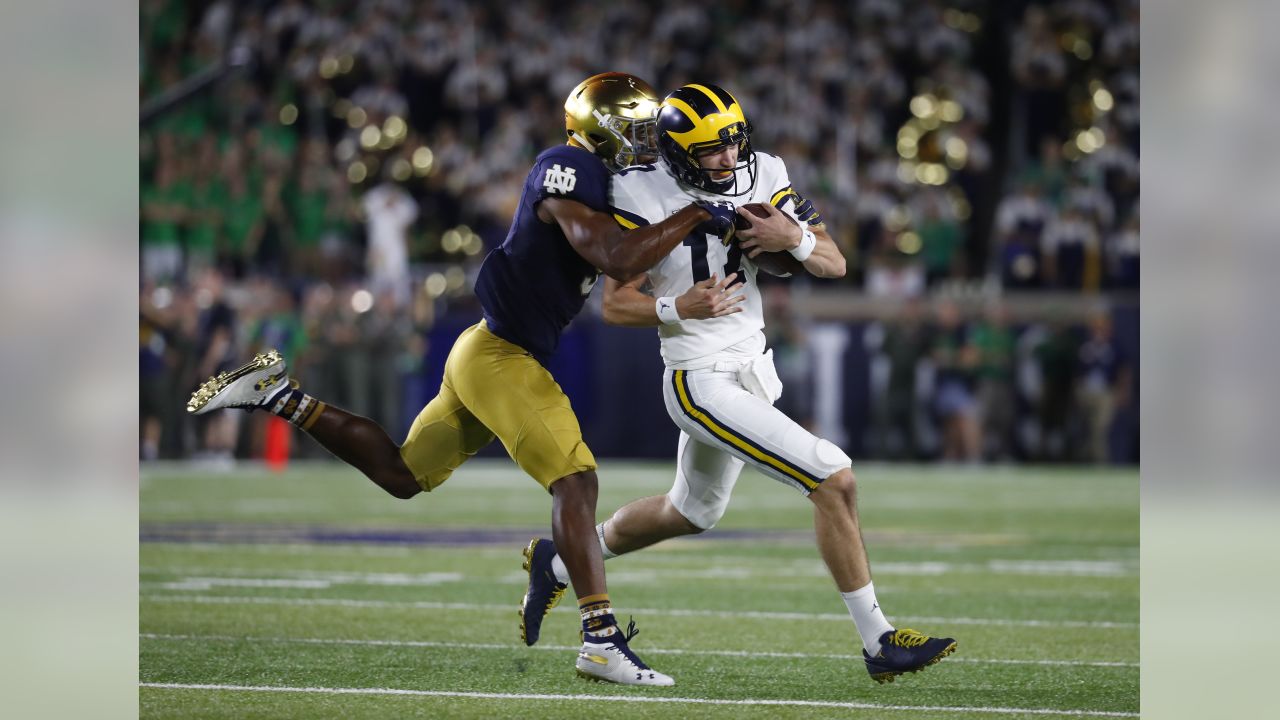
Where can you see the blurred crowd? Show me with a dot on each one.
(355, 172)
(992, 389)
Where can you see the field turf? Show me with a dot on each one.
(312, 594)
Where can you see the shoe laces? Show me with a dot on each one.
(632, 630)
(620, 643)
(907, 637)
(557, 592)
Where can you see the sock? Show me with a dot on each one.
(867, 615)
(562, 573)
(297, 407)
(597, 616)
(559, 570)
(604, 549)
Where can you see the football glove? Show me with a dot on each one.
(720, 224)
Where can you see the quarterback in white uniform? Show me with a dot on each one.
(720, 384)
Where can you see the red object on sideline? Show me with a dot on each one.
(279, 435)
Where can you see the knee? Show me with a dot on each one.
(403, 493)
(401, 486)
(841, 486)
(580, 487)
(693, 518)
(689, 527)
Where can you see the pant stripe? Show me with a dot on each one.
(733, 438)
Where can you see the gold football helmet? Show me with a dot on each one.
(612, 115)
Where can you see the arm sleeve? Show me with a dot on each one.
(573, 174)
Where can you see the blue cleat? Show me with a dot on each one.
(906, 651)
(544, 591)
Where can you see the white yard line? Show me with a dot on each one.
(638, 699)
(648, 651)
(507, 607)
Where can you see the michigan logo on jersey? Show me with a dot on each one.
(560, 180)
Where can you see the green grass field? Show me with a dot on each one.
(312, 594)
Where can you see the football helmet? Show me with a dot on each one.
(699, 119)
(612, 115)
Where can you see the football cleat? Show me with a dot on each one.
(609, 659)
(544, 591)
(252, 385)
(906, 651)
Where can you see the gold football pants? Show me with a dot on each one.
(495, 388)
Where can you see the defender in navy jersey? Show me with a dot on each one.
(535, 282)
(495, 383)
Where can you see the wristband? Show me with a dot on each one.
(666, 307)
(808, 241)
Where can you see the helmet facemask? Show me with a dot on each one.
(636, 138)
(704, 178)
(612, 116)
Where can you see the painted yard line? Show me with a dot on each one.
(648, 651)
(205, 578)
(425, 605)
(637, 699)
(673, 551)
(638, 573)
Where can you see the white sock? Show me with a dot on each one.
(604, 549)
(562, 573)
(867, 615)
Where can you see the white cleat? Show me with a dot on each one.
(611, 660)
(253, 385)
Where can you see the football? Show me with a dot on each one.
(781, 263)
(757, 209)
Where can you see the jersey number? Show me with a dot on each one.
(697, 243)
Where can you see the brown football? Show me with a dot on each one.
(757, 209)
(779, 263)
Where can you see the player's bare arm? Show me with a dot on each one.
(779, 232)
(620, 254)
(631, 305)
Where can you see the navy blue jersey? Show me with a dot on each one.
(535, 282)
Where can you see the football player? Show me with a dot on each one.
(495, 380)
(720, 383)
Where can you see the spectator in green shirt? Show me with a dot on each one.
(164, 203)
(996, 344)
(207, 204)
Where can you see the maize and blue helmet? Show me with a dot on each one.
(698, 119)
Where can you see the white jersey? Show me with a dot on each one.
(646, 194)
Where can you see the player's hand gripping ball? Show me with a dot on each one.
(775, 263)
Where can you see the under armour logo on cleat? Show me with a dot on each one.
(267, 382)
(875, 605)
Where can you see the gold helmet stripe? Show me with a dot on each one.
(715, 99)
(705, 131)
